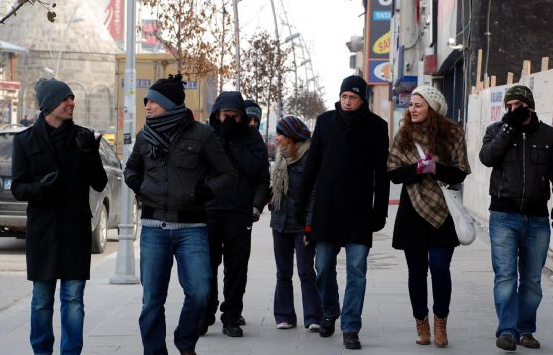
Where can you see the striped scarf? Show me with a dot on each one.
(160, 130)
(280, 171)
(426, 195)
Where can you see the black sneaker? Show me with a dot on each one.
(233, 330)
(351, 341)
(327, 327)
(506, 342)
(241, 321)
(528, 341)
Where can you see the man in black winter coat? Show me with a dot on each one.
(167, 169)
(348, 162)
(55, 162)
(230, 215)
(519, 148)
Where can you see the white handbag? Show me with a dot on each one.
(464, 224)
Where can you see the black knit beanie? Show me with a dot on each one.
(521, 93)
(50, 93)
(167, 93)
(355, 84)
(253, 110)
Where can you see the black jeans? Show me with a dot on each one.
(284, 245)
(418, 261)
(230, 242)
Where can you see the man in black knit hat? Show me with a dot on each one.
(519, 149)
(167, 169)
(55, 162)
(348, 162)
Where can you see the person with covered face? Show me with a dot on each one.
(519, 149)
(231, 214)
(167, 168)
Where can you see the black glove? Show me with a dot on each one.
(88, 144)
(49, 181)
(134, 182)
(378, 223)
(228, 128)
(300, 215)
(516, 117)
(255, 215)
(203, 193)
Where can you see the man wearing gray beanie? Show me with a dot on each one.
(55, 162)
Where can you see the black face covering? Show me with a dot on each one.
(353, 117)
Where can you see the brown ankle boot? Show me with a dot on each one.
(423, 332)
(440, 332)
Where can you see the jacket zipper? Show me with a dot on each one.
(166, 186)
(523, 169)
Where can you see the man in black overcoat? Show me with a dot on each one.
(55, 162)
(348, 162)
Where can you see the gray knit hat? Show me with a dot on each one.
(521, 93)
(434, 97)
(50, 93)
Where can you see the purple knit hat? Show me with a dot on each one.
(293, 127)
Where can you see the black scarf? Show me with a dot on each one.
(160, 130)
(351, 118)
(61, 138)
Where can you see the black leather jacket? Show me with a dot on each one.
(522, 163)
(167, 187)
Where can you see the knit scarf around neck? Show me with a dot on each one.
(160, 130)
(280, 171)
(426, 195)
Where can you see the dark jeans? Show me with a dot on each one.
(229, 242)
(72, 316)
(190, 247)
(418, 262)
(284, 246)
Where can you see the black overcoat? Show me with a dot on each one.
(349, 165)
(58, 240)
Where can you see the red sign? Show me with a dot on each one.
(149, 39)
(115, 20)
(10, 85)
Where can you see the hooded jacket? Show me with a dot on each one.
(248, 155)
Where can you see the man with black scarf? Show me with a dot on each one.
(348, 162)
(55, 162)
(230, 215)
(167, 168)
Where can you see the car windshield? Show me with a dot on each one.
(6, 147)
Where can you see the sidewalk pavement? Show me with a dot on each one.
(111, 322)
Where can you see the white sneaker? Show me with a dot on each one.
(284, 325)
(314, 328)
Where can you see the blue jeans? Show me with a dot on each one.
(72, 316)
(526, 238)
(190, 247)
(284, 245)
(438, 260)
(354, 296)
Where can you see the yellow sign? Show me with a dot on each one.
(382, 45)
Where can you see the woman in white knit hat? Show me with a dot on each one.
(423, 228)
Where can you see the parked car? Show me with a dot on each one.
(272, 146)
(105, 205)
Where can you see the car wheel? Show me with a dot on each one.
(100, 233)
(135, 219)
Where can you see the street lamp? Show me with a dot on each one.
(73, 19)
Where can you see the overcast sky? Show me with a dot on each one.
(326, 26)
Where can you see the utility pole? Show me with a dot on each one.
(279, 80)
(237, 45)
(124, 265)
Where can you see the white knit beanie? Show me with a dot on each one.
(435, 98)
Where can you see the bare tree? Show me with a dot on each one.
(264, 68)
(50, 15)
(185, 28)
(220, 29)
(307, 104)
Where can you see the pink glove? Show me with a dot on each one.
(427, 165)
